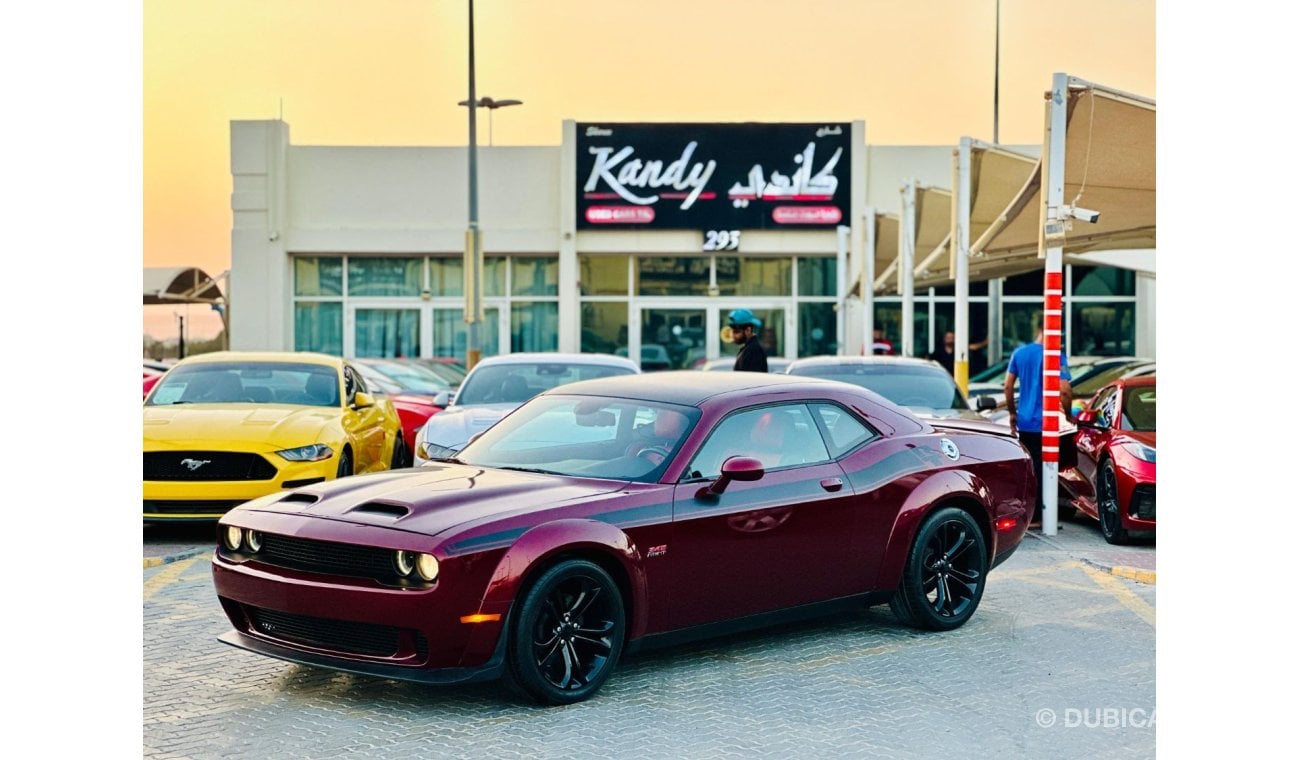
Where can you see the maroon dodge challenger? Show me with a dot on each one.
(621, 513)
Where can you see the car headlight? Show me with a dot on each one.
(253, 540)
(313, 452)
(427, 566)
(434, 451)
(418, 563)
(1141, 451)
(233, 538)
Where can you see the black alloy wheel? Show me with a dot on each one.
(568, 634)
(345, 464)
(1112, 528)
(944, 574)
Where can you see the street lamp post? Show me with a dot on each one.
(492, 105)
(473, 245)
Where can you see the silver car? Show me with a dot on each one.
(923, 386)
(496, 387)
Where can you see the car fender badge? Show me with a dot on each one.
(949, 449)
(657, 551)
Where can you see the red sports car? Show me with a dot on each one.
(1115, 481)
(413, 409)
(626, 512)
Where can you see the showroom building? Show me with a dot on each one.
(635, 239)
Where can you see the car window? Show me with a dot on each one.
(257, 382)
(916, 386)
(516, 383)
(844, 431)
(1105, 406)
(1139, 409)
(777, 436)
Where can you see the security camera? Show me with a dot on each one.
(1085, 214)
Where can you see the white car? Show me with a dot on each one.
(496, 387)
(921, 385)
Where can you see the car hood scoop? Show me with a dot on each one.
(435, 497)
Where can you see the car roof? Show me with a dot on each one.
(601, 360)
(283, 357)
(875, 359)
(687, 387)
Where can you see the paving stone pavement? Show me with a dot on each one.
(1059, 661)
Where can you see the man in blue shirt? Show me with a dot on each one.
(1026, 407)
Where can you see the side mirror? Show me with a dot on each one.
(735, 468)
(443, 399)
(362, 400)
(986, 404)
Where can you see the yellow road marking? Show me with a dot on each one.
(167, 576)
(1123, 594)
(1133, 573)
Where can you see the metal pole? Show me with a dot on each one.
(1052, 242)
(869, 285)
(997, 56)
(906, 256)
(961, 198)
(473, 243)
(841, 286)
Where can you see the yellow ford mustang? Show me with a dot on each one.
(223, 428)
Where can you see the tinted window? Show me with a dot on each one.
(249, 382)
(777, 436)
(919, 386)
(1139, 409)
(516, 383)
(844, 431)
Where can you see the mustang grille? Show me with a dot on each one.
(1143, 505)
(338, 635)
(327, 557)
(206, 465)
(215, 508)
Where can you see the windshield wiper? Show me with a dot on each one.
(531, 469)
(453, 460)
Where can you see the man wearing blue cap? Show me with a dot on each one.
(744, 333)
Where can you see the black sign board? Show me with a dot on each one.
(713, 176)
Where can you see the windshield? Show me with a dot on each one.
(916, 387)
(411, 377)
(516, 383)
(585, 436)
(1098, 377)
(1139, 409)
(248, 382)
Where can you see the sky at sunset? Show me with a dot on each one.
(390, 72)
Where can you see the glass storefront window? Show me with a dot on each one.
(604, 275)
(817, 276)
(888, 318)
(604, 328)
(945, 320)
(385, 276)
(494, 276)
(318, 327)
(1102, 281)
(387, 332)
(317, 276)
(534, 326)
(1102, 329)
(1027, 284)
(451, 334)
(672, 338)
(753, 276)
(973, 289)
(447, 276)
(535, 277)
(816, 328)
(1017, 325)
(672, 275)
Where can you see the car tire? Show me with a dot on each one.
(1108, 507)
(345, 464)
(568, 634)
(401, 457)
(944, 573)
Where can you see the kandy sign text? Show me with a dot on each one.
(712, 176)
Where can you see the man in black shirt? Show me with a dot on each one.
(744, 328)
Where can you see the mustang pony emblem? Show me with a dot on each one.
(195, 464)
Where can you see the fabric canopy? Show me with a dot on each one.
(933, 232)
(171, 285)
(1110, 167)
(886, 253)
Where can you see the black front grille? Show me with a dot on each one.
(1143, 505)
(214, 508)
(339, 635)
(206, 465)
(327, 557)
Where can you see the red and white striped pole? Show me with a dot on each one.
(1052, 242)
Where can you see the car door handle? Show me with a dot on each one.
(832, 484)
